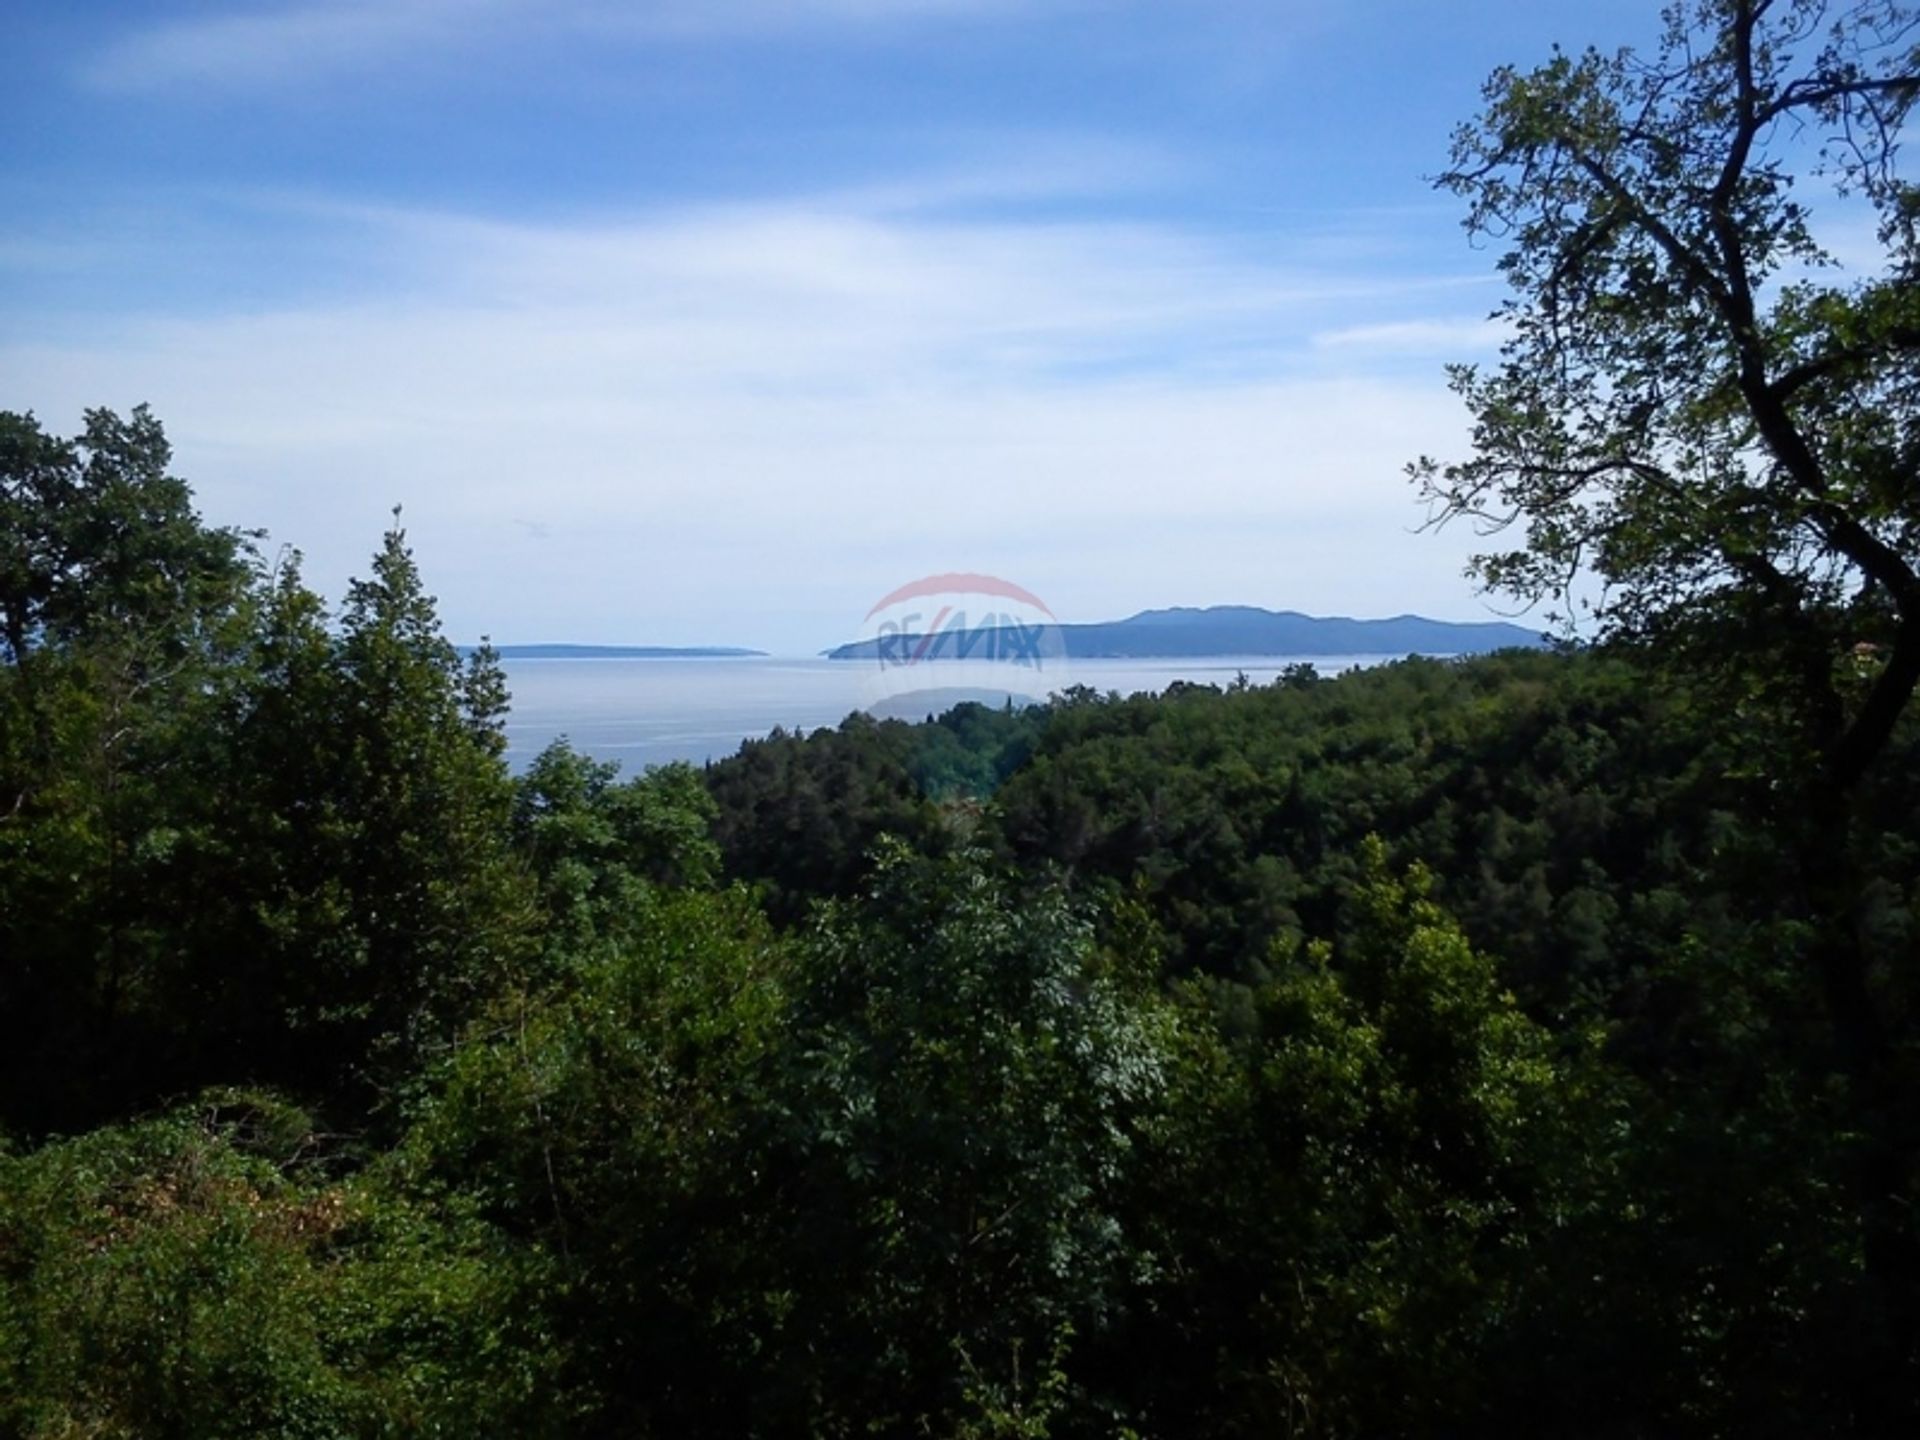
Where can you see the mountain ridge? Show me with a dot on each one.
(1228, 630)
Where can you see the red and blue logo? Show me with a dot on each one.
(944, 638)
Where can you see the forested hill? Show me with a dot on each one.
(1443, 1048)
(1239, 630)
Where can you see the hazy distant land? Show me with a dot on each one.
(1219, 630)
(1176, 633)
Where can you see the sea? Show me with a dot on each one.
(650, 711)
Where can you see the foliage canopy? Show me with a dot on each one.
(1696, 403)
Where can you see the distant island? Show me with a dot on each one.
(1224, 630)
(624, 652)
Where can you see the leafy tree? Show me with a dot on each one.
(968, 1077)
(595, 844)
(799, 817)
(119, 612)
(615, 1124)
(102, 546)
(1690, 403)
(1696, 408)
(365, 834)
(1355, 1184)
(236, 844)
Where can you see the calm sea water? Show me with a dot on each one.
(649, 712)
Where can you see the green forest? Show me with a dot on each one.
(1523, 1044)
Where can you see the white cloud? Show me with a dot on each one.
(1445, 337)
(743, 424)
(259, 47)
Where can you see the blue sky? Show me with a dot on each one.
(714, 320)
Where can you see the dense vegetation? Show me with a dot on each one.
(1516, 1045)
(1433, 1047)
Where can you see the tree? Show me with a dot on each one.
(120, 611)
(1700, 408)
(100, 544)
(1359, 1183)
(967, 1077)
(365, 834)
(614, 1122)
(1694, 405)
(235, 841)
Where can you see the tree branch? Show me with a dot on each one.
(1902, 337)
(1671, 244)
(1795, 98)
(1849, 758)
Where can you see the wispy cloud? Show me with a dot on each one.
(259, 46)
(1449, 336)
(664, 306)
(705, 405)
(265, 46)
(1000, 171)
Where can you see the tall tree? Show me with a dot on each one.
(1694, 403)
(99, 542)
(119, 608)
(377, 878)
(1701, 409)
